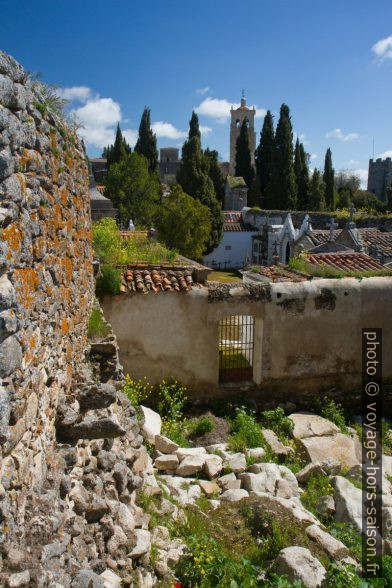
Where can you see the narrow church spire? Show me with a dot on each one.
(243, 99)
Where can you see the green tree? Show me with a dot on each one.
(389, 196)
(195, 181)
(184, 223)
(264, 156)
(133, 190)
(316, 192)
(243, 162)
(115, 153)
(215, 173)
(301, 170)
(329, 181)
(282, 189)
(147, 142)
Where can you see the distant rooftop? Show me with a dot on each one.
(347, 262)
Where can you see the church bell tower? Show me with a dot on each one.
(237, 117)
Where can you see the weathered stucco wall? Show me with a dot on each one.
(307, 334)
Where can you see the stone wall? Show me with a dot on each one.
(72, 456)
(307, 335)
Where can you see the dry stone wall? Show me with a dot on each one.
(71, 453)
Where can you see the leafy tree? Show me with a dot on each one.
(329, 179)
(243, 161)
(183, 223)
(316, 192)
(195, 181)
(215, 173)
(365, 199)
(347, 180)
(301, 175)
(264, 157)
(132, 189)
(147, 142)
(282, 189)
(117, 152)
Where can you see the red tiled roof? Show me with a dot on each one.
(373, 237)
(278, 273)
(156, 280)
(233, 221)
(345, 261)
(320, 236)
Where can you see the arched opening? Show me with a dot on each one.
(287, 253)
(237, 123)
(236, 348)
(247, 123)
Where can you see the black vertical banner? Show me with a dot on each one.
(371, 453)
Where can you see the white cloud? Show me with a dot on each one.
(81, 93)
(165, 129)
(383, 48)
(313, 156)
(203, 91)
(219, 109)
(338, 134)
(205, 131)
(131, 136)
(363, 176)
(98, 117)
(385, 154)
(303, 139)
(353, 162)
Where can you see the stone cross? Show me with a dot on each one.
(352, 212)
(332, 225)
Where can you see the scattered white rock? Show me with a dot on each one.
(307, 424)
(190, 465)
(209, 488)
(326, 505)
(335, 548)
(165, 445)
(166, 462)
(234, 495)
(338, 447)
(348, 502)
(229, 482)
(152, 424)
(110, 579)
(271, 478)
(212, 466)
(298, 563)
(275, 444)
(217, 447)
(236, 462)
(309, 470)
(143, 543)
(255, 452)
(183, 452)
(19, 580)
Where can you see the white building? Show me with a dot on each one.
(235, 248)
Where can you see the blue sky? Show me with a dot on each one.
(330, 62)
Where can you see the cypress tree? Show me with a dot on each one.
(264, 155)
(282, 189)
(316, 192)
(115, 153)
(243, 162)
(329, 180)
(195, 181)
(147, 142)
(301, 175)
(215, 173)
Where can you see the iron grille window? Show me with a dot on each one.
(236, 346)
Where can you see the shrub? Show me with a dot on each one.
(318, 485)
(108, 281)
(333, 411)
(97, 327)
(278, 422)
(171, 401)
(348, 534)
(201, 426)
(246, 432)
(386, 437)
(137, 390)
(107, 241)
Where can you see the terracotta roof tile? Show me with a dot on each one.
(156, 280)
(233, 221)
(373, 237)
(320, 236)
(345, 261)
